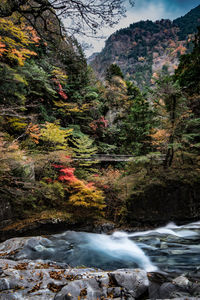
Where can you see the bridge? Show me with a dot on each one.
(114, 158)
(107, 157)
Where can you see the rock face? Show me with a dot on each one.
(159, 204)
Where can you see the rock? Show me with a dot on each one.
(181, 281)
(134, 282)
(1, 271)
(88, 288)
(46, 280)
(104, 228)
(114, 292)
(169, 290)
(179, 287)
(4, 284)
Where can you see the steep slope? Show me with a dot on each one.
(146, 47)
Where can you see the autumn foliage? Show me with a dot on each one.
(15, 41)
(81, 195)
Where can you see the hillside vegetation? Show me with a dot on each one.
(55, 115)
(145, 48)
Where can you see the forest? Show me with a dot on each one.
(99, 161)
(56, 116)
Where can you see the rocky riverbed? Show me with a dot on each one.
(155, 264)
(45, 280)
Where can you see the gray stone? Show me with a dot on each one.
(134, 281)
(114, 292)
(181, 281)
(88, 288)
(169, 290)
(4, 284)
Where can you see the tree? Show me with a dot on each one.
(84, 196)
(113, 70)
(172, 113)
(15, 42)
(87, 200)
(54, 137)
(188, 72)
(82, 15)
(84, 150)
(136, 126)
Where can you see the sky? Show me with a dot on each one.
(144, 10)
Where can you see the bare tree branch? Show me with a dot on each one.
(80, 15)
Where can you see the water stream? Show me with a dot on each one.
(171, 249)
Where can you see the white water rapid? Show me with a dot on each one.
(169, 248)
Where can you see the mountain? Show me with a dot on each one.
(145, 48)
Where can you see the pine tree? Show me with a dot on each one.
(84, 150)
(113, 70)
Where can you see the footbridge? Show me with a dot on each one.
(107, 157)
(114, 158)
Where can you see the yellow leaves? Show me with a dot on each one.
(69, 107)
(15, 40)
(116, 92)
(141, 58)
(17, 123)
(20, 56)
(59, 75)
(87, 196)
(54, 136)
(19, 78)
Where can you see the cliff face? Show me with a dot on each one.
(145, 48)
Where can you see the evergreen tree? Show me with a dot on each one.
(84, 150)
(188, 72)
(113, 70)
(135, 128)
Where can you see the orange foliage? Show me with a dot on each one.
(108, 179)
(160, 138)
(15, 41)
(33, 34)
(84, 195)
(34, 132)
(2, 48)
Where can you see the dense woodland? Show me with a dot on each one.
(55, 115)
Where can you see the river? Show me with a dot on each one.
(171, 249)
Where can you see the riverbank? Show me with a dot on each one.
(154, 264)
(39, 280)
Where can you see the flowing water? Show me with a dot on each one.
(171, 249)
